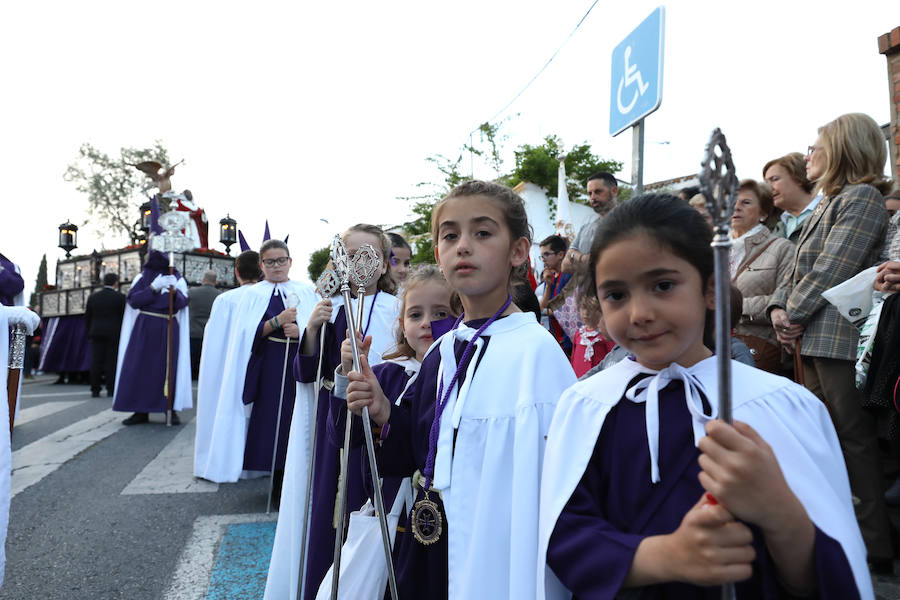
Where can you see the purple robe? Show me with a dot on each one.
(393, 378)
(615, 506)
(422, 571)
(265, 376)
(65, 347)
(11, 283)
(142, 376)
(327, 464)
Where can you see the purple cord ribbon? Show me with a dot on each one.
(442, 397)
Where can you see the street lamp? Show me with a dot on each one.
(228, 233)
(146, 212)
(68, 238)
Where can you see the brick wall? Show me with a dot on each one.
(889, 45)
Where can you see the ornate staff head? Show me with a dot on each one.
(364, 265)
(340, 260)
(718, 182)
(328, 283)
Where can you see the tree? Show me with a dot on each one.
(39, 283)
(113, 186)
(318, 260)
(419, 229)
(540, 165)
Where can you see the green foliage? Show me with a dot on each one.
(418, 231)
(539, 165)
(113, 186)
(39, 283)
(318, 260)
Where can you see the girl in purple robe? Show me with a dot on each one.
(426, 298)
(379, 320)
(645, 488)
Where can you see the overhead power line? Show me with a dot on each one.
(538, 74)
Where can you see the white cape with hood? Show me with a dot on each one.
(791, 420)
(283, 568)
(227, 341)
(183, 398)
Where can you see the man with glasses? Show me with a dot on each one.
(553, 280)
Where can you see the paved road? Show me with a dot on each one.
(102, 512)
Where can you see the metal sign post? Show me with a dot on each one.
(636, 86)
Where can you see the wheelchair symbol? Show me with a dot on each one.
(632, 75)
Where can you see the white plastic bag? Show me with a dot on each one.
(363, 569)
(853, 298)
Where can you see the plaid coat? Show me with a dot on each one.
(842, 237)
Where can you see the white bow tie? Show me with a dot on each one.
(647, 390)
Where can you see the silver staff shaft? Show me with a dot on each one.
(310, 476)
(373, 468)
(287, 348)
(721, 248)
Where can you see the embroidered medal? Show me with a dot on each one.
(426, 521)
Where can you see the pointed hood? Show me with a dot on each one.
(266, 234)
(243, 241)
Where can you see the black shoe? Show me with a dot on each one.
(175, 419)
(137, 419)
(109, 393)
(95, 393)
(883, 567)
(60, 381)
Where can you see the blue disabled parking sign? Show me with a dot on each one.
(637, 73)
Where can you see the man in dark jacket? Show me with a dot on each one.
(200, 304)
(103, 319)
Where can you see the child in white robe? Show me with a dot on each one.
(472, 426)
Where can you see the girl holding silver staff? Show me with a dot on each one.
(380, 313)
(645, 483)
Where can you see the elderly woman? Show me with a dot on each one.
(791, 192)
(842, 237)
(759, 261)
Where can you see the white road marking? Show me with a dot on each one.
(56, 394)
(38, 459)
(33, 413)
(198, 557)
(172, 471)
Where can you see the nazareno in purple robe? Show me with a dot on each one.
(266, 374)
(142, 377)
(393, 378)
(615, 506)
(68, 348)
(327, 466)
(11, 283)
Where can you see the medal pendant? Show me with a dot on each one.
(426, 521)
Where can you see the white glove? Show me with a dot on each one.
(162, 282)
(159, 282)
(19, 315)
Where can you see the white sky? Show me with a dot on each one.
(299, 111)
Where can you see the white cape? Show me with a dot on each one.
(793, 421)
(227, 341)
(285, 564)
(489, 454)
(183, 398)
